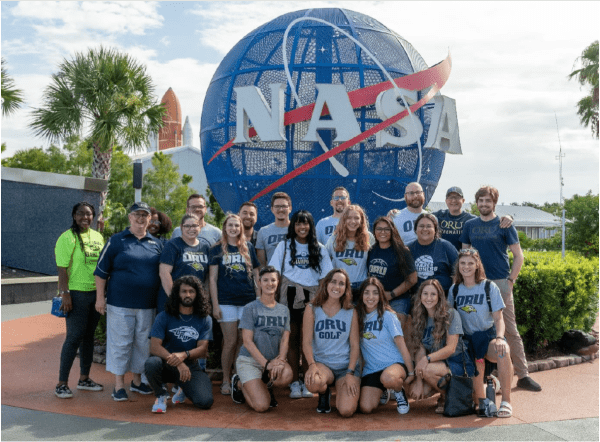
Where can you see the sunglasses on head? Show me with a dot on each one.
(468, 252)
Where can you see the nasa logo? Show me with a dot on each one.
(321, 98)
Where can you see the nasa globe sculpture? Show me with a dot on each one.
(322, 98)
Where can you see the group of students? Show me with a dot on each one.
(352, 312)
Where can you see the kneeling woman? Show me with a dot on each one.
(261, 364)
(480, 305)
(331, 344)
(438, 331)
(387, 362)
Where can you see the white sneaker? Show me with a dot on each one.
(401, 402)
(385, 396)
(296, 392)
(305, 392)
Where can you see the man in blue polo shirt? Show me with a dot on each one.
(484, 233)
(127, 271)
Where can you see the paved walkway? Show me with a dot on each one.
(567, 408)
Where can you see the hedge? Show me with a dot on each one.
(553, 295)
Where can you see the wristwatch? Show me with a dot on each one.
(188, 354)
(64, 292)
(349, 371)
(410, 373)
(511, 280)
(502, 337)
(428, 359)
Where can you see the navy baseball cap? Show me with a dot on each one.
(455, 190)
(139, 206)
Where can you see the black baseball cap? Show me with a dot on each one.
(455, 190)
(139, 206)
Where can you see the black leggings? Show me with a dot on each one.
(81, 325)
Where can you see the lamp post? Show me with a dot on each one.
(562, 202)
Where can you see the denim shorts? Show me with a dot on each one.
(479, 342)
(455, 364)
(401, 304)
(231, 313)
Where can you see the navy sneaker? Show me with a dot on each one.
(120, 395)
(141, 389)
(324, 402)
(236, 391)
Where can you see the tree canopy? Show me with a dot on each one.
(587, 75)
(12, 97)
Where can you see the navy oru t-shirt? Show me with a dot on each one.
(383, 264)
(186, 259)
(182, 333)
(131, 267)
(234, 285)
(435, 260)
(492, 243)
(451, 226)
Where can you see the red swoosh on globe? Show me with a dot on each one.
(366, 96)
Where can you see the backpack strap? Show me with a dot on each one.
(487, 293)
(455, 294)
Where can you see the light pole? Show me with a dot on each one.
(562, 202)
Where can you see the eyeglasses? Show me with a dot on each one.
(191, 226)
(338, 198)
(155, 222)
(468, 252)
(281, 207)
(197, 207)
(416, 192)
(141, 214)
(383, 229)
(84, 214)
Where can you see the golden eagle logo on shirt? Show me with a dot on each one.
(468, 309)
(369, 335)
(349, 261)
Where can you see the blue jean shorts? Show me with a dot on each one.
(401, 305)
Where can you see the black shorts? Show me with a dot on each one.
(374, 379)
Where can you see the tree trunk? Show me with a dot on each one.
(101, 169)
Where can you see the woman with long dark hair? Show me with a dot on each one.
(391, 262)
(302, 262)
(349, 245)
(261, 364)
(437, 331)
(233, 273)
(480, 304)
(387, 362)
(77, 251)
(331, 344)
(160, 224)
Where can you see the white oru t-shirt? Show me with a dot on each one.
(301, 273)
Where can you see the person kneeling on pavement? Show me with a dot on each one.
(179, 338)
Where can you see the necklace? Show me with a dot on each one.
(181, 317)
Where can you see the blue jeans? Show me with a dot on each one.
(198, 389)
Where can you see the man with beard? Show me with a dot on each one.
(178, 340)
(404, 219)
(271, 235)
(452, 220)
(340, 199)
(485, 235)
(196, 205)
(248, 215)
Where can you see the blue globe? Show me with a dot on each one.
(317, 53)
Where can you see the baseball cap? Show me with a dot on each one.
(455, 190)
(139, 206)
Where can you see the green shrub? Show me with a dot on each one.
(553, 295)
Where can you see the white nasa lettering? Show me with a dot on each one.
(268, 121)
(389, 104)
(342, 120)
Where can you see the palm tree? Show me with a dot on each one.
(106, 94)
(587, 107)
(12, 98)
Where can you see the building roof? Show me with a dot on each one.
(524, 216)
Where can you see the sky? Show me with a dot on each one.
(510, 63)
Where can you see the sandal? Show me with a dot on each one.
(439, 408)
(505, 409)
(225, 388)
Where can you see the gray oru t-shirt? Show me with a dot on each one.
(268, 238)
(268, 325)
